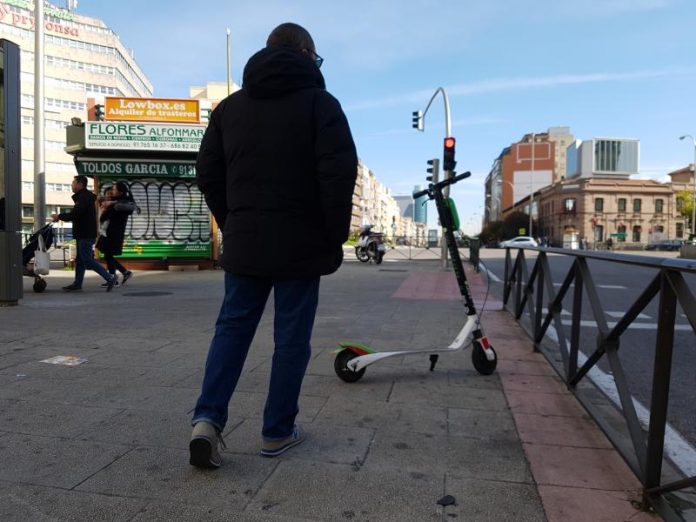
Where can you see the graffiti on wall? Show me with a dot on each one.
(170, 210)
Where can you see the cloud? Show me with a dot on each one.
(514, 84)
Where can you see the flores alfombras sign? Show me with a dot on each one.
(134, 168)
(143, 136)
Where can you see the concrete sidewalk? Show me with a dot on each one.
(108, 439)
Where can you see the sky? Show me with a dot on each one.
(619, 68)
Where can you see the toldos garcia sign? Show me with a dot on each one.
(143, 136)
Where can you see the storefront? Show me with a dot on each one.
(172, 225)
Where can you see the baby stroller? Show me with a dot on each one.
(46, 233)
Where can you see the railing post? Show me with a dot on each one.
(661, 379)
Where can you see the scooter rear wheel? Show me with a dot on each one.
(481, 362)
(341, 366)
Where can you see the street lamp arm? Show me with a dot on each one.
(448, 119)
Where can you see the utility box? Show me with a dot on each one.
(10, 176)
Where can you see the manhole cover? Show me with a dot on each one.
(147, 294)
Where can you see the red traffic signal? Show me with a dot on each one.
(448, 162)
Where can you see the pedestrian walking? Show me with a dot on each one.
(115, 210)
(277, 156)
(84, 230)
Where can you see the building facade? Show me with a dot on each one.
(83, 59)
(561, 138)
(632, 212)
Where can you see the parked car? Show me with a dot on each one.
(665, 244)
(519, 241)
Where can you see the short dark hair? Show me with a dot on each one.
(290, 35)
(81, 179)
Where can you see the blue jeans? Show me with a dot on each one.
(242, 308)
(85, 259)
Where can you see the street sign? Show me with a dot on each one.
(136, 168)
(163, 110)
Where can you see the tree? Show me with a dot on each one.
(685, 202)
(513, 222)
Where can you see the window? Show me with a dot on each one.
(27, 211)
(637, 205)
(680, 204)
(599, 204)
(659, 204)
(636, 233)
(569, 206)
(680, 230)
(622, 204)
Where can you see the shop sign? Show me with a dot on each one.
(28, 22)
(143, 136)
(151, 110)
(130, 168)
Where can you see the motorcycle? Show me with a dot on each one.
(370, 245)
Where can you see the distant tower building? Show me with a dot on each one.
(562, 138)
(420, 207)
(405, 205)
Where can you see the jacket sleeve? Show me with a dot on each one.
(82, 204)
(125, 206)
(337, 166)
(211, 170)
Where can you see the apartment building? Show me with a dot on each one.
(84, 59)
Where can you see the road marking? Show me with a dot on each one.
(490, 274)
(606, 287)
(619, 315)
(677, 448)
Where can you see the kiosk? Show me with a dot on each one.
(172, 226)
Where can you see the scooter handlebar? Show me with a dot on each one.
(441, 184)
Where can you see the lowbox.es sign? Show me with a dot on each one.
(143, 136)
(151, 110)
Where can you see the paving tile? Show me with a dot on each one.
(560, 431)
(438, 392)
(52, 419)
(559, 405)
(48, 461)
(364, 412)
(471, 378)
(417, 452)
(325, 442)
(25, 503)
(250, 405)
(160, 511)
(515, 367)
(573, 504)
(479, 424)
(499, 460)
(165, 474)
(145, 428)
(579, 467)
(534, 383)
(487, 501)
(139, 376)
(384, 496)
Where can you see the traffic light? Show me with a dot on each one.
(448, 155)
(434, 170)
(99, 112)
(418, 120)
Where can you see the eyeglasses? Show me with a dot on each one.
(318, 60)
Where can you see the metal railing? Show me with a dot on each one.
(534, 291)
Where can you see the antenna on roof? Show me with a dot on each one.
(71, 5)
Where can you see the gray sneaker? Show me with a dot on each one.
(204, 446)
(273, 448)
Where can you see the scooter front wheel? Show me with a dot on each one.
(341, 366)
(362, 254)
(481, 362)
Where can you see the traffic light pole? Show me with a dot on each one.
(448, 133)
(39, 120)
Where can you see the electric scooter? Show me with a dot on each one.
(352, 359)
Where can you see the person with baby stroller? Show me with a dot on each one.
(41, 240)
(84, 219)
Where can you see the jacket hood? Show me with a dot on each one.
(276, 71)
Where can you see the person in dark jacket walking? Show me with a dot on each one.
(84, 219)
(113, 219)
(277, 167)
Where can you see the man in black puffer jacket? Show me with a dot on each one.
(84, 230)
(277, 167)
